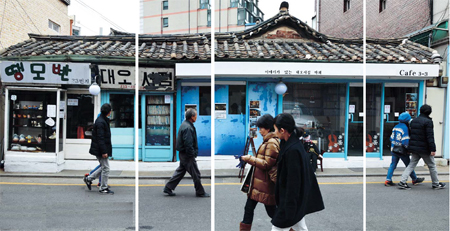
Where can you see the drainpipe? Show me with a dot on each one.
(317, 14)
(220, 14)
(431, 12)
(162, 18)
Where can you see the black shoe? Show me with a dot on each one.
(439, 186)
(402, 185)
(106, 191)
(418, 180)
(169, 191)
(87, 182)
(203, 195)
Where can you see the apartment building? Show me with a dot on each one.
(194, 16)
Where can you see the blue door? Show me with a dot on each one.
(230, 133)
(200, 96)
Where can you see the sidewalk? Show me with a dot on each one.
(224, 167)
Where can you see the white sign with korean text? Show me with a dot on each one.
(51, 110)
(72, 102)
(45, 73)
(387, 109)
(351, 109)
(123, 77)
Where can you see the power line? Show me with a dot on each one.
(23, 18)
(28, 16)
(101, 15)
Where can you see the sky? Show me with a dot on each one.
(124, 13)
(301, 9)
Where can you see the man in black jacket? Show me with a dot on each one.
(421, 145)
(188, 150)
(101, 148)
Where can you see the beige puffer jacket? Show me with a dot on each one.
(263, 188)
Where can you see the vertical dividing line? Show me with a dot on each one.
(136, 130)
(364, 118)
(213, 121)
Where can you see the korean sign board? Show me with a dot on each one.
(45, 73)
(123, 77)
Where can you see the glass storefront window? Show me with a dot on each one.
(319, 109)
(205, 101)
(373, 116)
(28, 131)
(80, 116)
(355, 128)
(122, 113)
(236, 99)
(158, 121)
(398, 99)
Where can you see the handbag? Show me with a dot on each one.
(399, 149)
(247, 184)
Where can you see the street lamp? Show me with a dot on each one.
(94, 89)
(280, 88)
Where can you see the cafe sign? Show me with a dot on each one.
(123, 77)
(45, 73)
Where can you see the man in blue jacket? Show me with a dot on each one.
(187, 146)
(400, 136)
(422, 145)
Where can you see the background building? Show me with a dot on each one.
(180, 17)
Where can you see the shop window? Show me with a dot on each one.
(382, 5)
(373, 117)
(28, 130)
(165, 22)
(122, 113)
(236, 99)
(158, 121)
(205, 101)
(346, 5)
(320, 110)
(165, 5)
(397, 99)
(80, 116)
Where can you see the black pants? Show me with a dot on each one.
(187, 165)
(250, 208)
(314, 161)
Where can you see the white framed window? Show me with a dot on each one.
(54, 26)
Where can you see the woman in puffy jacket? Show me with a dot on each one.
(264, 177)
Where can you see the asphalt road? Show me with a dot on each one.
(421, 208)
(343, 199)
(185, 211)
(63, 204)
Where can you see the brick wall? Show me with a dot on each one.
(400, 17)
(31, 16)
(334, 22)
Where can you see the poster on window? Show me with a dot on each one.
(254, 104)
(411, 103)
(221, 110)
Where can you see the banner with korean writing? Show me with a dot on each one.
(123, 77)
(45, 73)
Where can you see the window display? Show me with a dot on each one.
(30, 128)
(122, 113)
(158, 121)
(373, 115)
(320, 110)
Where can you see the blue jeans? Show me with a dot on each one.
(395, 159)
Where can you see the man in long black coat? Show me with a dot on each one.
(421, 145)
(187, 146)
(101, 148)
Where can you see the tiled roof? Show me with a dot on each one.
(285, 37)
(281, 38)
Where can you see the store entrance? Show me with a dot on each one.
(373, 119)
(398, 98)
(355, 128)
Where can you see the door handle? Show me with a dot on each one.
(441, 122)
